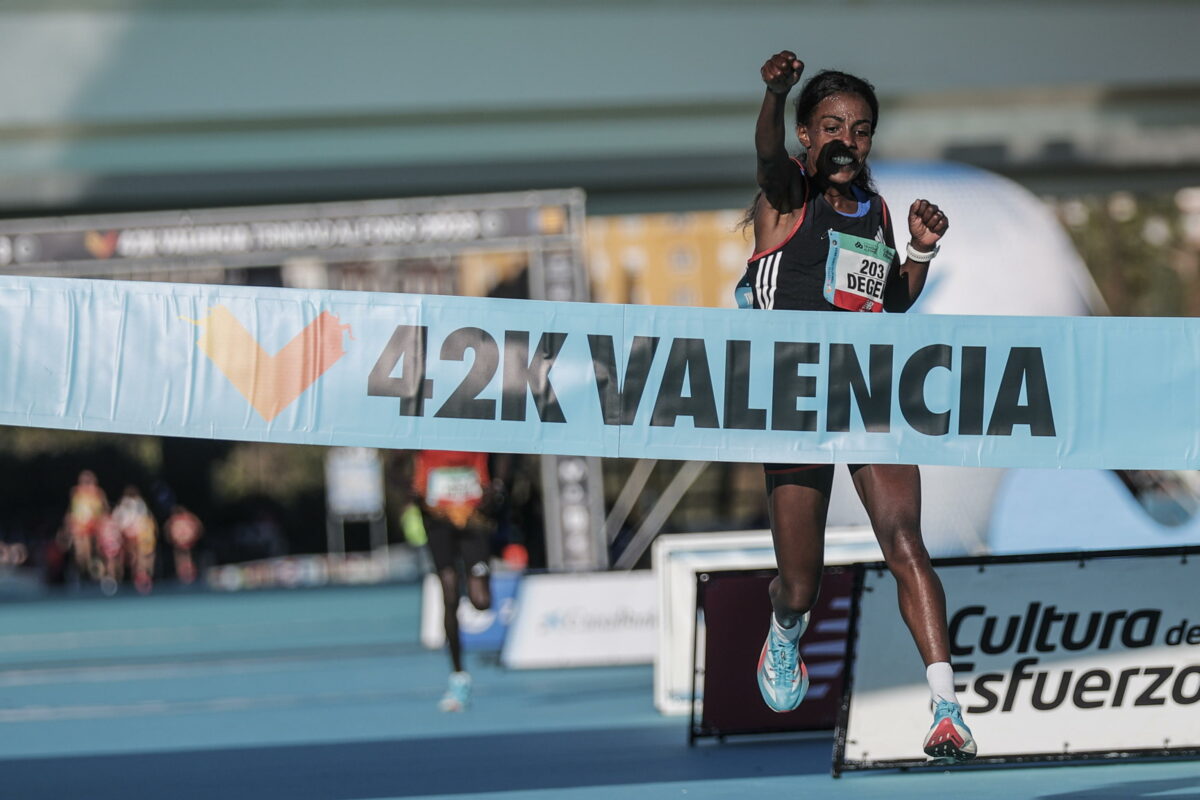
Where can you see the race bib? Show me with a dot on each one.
(856, 272)
(453, 486)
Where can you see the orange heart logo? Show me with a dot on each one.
(270, 383)
(101, 245)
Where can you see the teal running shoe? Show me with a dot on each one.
(949, 740)
(458, 693)
(782, 676)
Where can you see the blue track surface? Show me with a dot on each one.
(327, 694)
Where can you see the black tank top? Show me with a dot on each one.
(792, 275)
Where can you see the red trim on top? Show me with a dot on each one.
(889, 235)
(796, 227)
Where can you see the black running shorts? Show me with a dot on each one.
(450, 546)
(812, 476)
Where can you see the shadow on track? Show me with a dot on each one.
(1175, 789)
(413, 767)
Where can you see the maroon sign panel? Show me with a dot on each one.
(736, 613)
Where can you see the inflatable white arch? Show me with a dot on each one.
(1006, 253)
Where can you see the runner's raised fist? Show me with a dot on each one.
(927, 223)
(782, 71)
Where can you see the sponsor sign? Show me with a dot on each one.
(582, 620)
(268, 235)
(310, 571)
(478, 630)
(736, 610)
(353, 482)
(582, 380)
(1060, 657)
(678, 559)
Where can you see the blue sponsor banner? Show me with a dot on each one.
(485, 630)
(415, 371)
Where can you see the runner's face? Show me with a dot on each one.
(837, 138)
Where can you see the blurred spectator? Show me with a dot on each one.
(110, 564)
(261, 537)
(54, 555)
(88, 506)
(183, 531)
(162, 499)
(140, 535)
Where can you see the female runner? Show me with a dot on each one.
(824, 242)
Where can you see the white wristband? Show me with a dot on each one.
(918, 256)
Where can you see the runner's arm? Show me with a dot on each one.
(778, 175)
(926, 225)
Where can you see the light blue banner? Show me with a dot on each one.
(415, 371)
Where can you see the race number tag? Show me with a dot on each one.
(856, 272)
(453, 485)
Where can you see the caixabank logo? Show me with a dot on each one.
(270, 383)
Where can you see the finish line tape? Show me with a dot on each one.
(524, 376)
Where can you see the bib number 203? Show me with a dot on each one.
(873, 269)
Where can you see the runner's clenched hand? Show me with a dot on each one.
(927, 224)
(782, 71)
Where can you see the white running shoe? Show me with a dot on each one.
(782, 676)
(458, 693)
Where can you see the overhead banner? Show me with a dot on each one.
(252, 236)
(422, 371)
(1055, 658)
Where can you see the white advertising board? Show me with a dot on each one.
(582, 620)
(676, 558)
(354, 481)
(1068, 657)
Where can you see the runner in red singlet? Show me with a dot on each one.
(452, 488)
